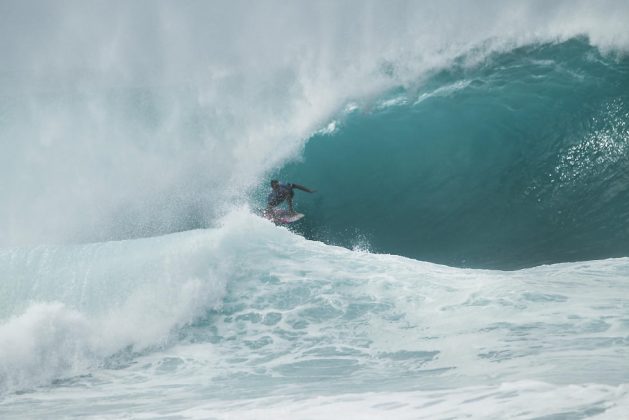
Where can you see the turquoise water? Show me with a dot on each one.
(465, 255)
(517, 161)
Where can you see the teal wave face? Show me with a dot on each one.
(517, 161)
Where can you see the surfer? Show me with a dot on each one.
(283, 192)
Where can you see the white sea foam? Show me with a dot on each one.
(249, 319)
(66, 309)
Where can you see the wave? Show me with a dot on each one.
(515, 161)
(160, 118)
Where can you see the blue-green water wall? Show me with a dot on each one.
(520, 160)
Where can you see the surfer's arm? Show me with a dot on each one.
(301, 187)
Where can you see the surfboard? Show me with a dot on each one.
(283, 216)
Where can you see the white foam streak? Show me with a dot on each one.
(509, 400)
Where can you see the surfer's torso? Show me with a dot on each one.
(280, 194)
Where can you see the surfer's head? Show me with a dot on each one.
(275, 183)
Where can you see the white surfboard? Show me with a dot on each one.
(283, 216)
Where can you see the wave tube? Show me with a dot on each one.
(515, 161)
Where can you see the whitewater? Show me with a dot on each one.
(466, 254)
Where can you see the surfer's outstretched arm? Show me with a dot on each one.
(301, 187)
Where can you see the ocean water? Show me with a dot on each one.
(466, 254)
(516, 161)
